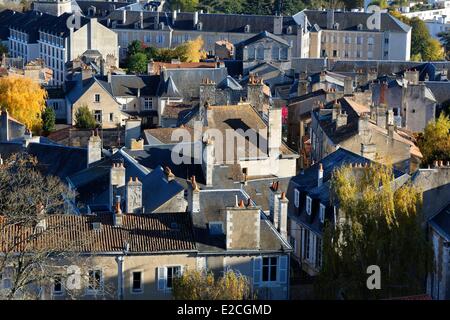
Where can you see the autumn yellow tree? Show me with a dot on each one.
(202, 285)
(192, 51)
(24, 100)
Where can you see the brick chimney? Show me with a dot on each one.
(208, 161)
(383, 93)
(94, 149)
(336, 110)
(243, 226)
(118, 216)
(412, 76)
(273, 203)
(193, 196)
(134, 196)
(363, 124)
(283, 214)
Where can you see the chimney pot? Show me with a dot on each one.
(241, 204)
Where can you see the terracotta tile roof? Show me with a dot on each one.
(144, 233)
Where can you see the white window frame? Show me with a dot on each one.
(322, 213)
(141, 290)
(162, 276)
(296, 198)
(90, 291)
(308, 205)
(269, 266)
(148, 103)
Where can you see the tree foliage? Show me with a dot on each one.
(377, 225)
(24, 99)
(202, 285)
(137, 63)
(184, 5)
(444, 37)
(48, 120)
(84, 119)
(435, 142)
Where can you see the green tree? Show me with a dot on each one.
(184, 5)
(435, 142)
(134, 47)
(48, 120)
(84, 119)
(377, 225)
(260, 7)
(444, 37)
(200, 285)
(137, 63)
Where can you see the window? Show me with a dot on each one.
(57, 284)
(160, 38)
(260, 53)
(308, 205)
(97, 97)
(251, 53)
(296, 198)
(275, 53)
(306, 244)
(98, 115)
(269, 269)
(111, 117)
(359, 40)
(386, 41)
(136, 285)
(148, 103)
(215, 228)
(55, 106)
(318, 253)
(166, 276)
(95, 281)
(335, 53)
(147, 38)
(322, 213)
(284, 54)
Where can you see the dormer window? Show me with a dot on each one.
(199, 26)
(114, 24)
(360, 26)
(322, 213)
(336, 26)
(289, 30)
(308, 205)
(247, 28)
(297, 198)
(136, 25)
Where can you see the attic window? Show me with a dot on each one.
(215, 228)
(247, 28)
(136, 25)
(114, 24)
(97, 226)
(199, 26)
(336, 26)
(360, 26)
(308, 205)
(289, 30)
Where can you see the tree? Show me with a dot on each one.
(184, 5)
(201, 285)
(444, 37)
(137, 63)
(435, 142)
(134, 47)
(191, 51)
(48, 120)
(376, 225)
(84, 118)
(24, 100)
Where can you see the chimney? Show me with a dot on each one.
(320, 175)
(141, 19)
(174, 15)
(255, 92)
(274, 132)
(412, 76)
(193, 197)
(132, 130)
(4, 126)
(348, 86)
(273, 204)
(116, 181)
(124, 16)
(278, 24)
(391, 130)
(389, 118)
(134, 196)
(195, 19)
(137, 144)
(336, 110)
(363, 124)
(283, 215)
(383, 92)
(208, 161)
(341, 120)
(330, 19)
(150, 67)
(118, 216)
(207, 92)
(41, 222)
(94, 149)
(243, 226)
(381, 116)
(368, 150)
(169, 174)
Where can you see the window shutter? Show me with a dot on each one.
(162, 275)
(257, 265)
(283, 268)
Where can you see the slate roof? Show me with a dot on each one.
(306, 184)
(441, 222)
(351, 20)
(262, 35)
(128, 85)
(229, 83)
(212, 208)
(149, 234)
(102, 7)
(150, 19)
(7, 17)
(440, 90)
